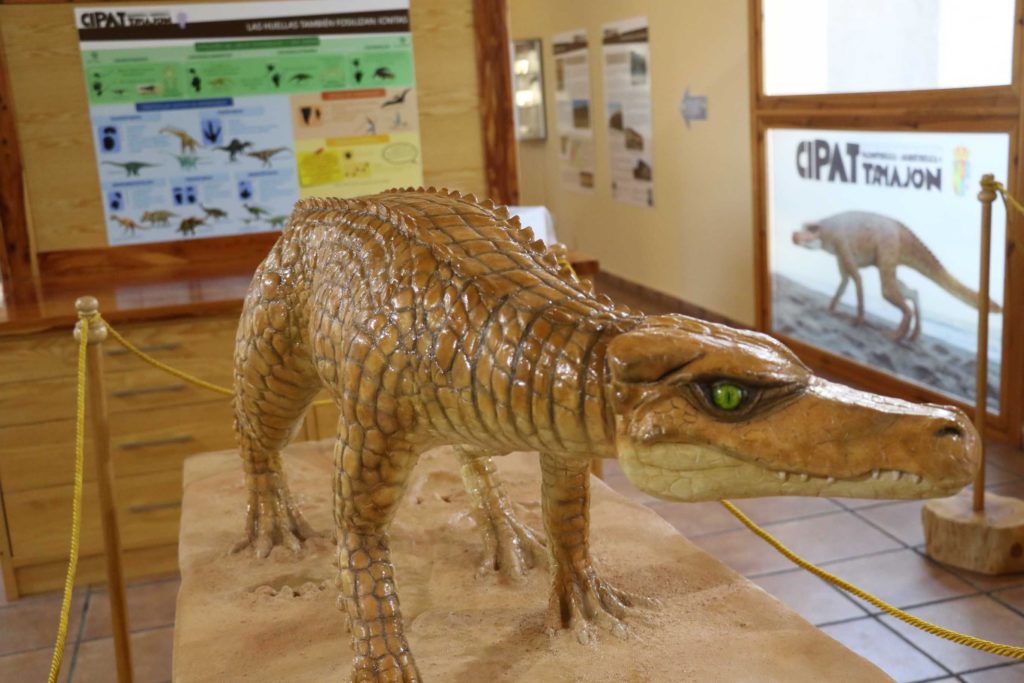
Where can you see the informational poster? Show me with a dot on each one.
(573, 112)
(214, 119)
(874, 249)
(627, 88)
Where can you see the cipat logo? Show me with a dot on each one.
(100, 19)
(961, 169)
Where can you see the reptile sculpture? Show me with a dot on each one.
(433, 319)
(859, 239)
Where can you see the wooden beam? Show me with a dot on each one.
(494, 69)
(16, 255)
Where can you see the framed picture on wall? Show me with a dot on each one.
(874, 247)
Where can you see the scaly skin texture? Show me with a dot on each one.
(433, 319)
(859, 239)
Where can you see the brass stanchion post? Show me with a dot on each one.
(986, 197)
(88, 307)
(983, 532)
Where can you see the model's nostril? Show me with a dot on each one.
(950, 430)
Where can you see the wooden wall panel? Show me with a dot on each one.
(41, 48)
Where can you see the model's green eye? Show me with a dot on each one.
(726, 395)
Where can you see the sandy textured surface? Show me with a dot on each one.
(241, 619)
(803, 314)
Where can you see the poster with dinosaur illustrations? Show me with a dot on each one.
(213, 119)
(874, 248)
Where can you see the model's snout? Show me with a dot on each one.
(957, 446)
(950, 430)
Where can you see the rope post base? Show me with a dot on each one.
(990, 541)
(88, 309)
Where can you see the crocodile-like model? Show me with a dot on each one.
(433, 319)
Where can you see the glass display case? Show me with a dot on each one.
(528, 89)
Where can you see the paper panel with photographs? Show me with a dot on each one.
(874, 247)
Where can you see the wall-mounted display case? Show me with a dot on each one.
(528, 89)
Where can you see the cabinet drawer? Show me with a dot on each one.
(54, 354)
(202, 340)
(142, 441)
(39, 521)
(326, 419)
(54, 398)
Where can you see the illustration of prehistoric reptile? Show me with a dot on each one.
(159, 217)
(257, 211)
(265, 155)
(433, 319)
(384, 73)
(186, 161)
(188, 143)
(131, 168)
(397, 99)
(859, 239)
(128, 224)
(213, 212)
(234, 148)
(188, 225)
(278, 221)
(300, 77)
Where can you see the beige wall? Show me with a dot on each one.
(696, 243)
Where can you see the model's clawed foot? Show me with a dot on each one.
(273, 519)
(585, 603)
(510, 547)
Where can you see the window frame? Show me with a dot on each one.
(996, 109)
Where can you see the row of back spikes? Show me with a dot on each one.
(524, 235)
(500, 211)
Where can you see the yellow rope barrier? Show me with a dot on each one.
(76, 507)
(1011, 651)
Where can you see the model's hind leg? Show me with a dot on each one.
(893, 293)
(915, 300)
(510, 547)
(274, 384)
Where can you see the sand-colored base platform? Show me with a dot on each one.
(241, 619)
(988, 542)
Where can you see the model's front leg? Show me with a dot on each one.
(368, 488)
(510, 547)
(580, 599)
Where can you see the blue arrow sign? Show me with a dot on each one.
(693, 107)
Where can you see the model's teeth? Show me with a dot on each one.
(891, 475)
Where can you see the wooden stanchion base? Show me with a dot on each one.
(988, 542)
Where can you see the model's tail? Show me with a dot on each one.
(915, 254)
